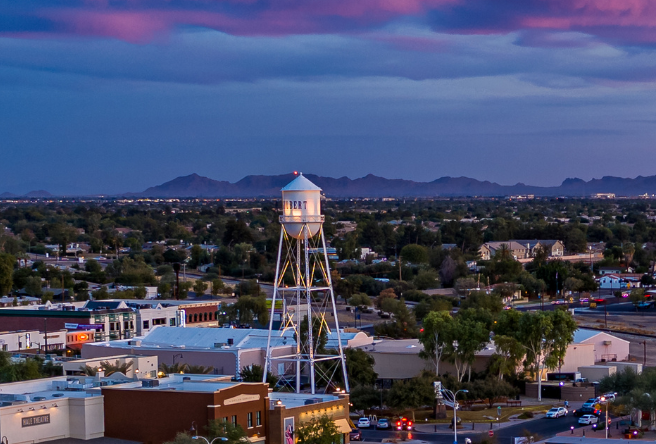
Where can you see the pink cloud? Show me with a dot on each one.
(140, 21)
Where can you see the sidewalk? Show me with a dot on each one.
(614, 432)
(478, 427)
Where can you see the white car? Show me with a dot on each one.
(364, 423)
(610, 396)
(557, 412)
(588, 419)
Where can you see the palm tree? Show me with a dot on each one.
(88, 370)
(175, 368)
(198, 369)
(117, 367)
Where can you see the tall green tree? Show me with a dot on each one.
(320, 430)
(436, 334)
(7, 262)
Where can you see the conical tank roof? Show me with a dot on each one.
(301, 183)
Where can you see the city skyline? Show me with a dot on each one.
(111, 97)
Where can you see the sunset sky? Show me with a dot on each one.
(102, 96)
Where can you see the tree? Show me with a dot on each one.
(425, 279)
(491, 388)
(480, 299)
(217, 285)
(254, 373)
(360, 367)
(117, 367)
(320, 430)
(411, 394)
(200, 287)
(360, 300)
(33, 286)
(437, 332)
(182, 438)
(470, 335)
(637, 296)
(364, 397)
(415, 254)
(545, 337)
(223, 429)
(7, 262)
(404, 324)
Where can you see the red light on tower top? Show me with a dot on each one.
(295, 173)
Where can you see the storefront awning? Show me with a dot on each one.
(343, 426)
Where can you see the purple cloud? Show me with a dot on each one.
(138, 21)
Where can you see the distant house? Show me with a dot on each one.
(555, 247)
(489, 249)
(609, 270)
(619, 281)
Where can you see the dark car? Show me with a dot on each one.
(586, 411)
(355, 435)
(403, 424)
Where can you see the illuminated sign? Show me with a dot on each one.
(35, 420)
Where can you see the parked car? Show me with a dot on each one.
(364, 423)
(557, 412)
(591, 402)
(403, 424)
(355, 435)
(382, 423)
(587, 411)
(588, 419)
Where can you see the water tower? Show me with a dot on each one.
(303, 281)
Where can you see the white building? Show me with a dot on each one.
(52, 408)
(607, 348)
(27, 340)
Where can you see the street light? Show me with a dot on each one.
(605, 401)
(455, 403)
(219, 438)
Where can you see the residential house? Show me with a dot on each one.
(517, 251)
(555, 248)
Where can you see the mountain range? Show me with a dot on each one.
(194, 185)
(31, 194)
(374, 186)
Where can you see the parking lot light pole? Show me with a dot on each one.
(455, 424)
(604, 400)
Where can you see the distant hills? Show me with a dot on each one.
(375, 186)
(31, 194)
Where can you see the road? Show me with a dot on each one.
(540, 428)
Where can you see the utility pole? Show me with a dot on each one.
(45, 334)
(644, 356)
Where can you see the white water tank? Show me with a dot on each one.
(301, 207)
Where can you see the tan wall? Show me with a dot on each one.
(578, 355)
(338, 409)
(617, 347)
(406, 366)
(81, 418)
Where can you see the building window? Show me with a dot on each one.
(206, 316)
(250, 420)
(172, 322)
(234, 419)
(196, 317)
(190, 319)
(258, 418)
(146, 325)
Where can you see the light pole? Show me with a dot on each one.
(455, 403)
(605, 401)
(219, 438)
(196, 436)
